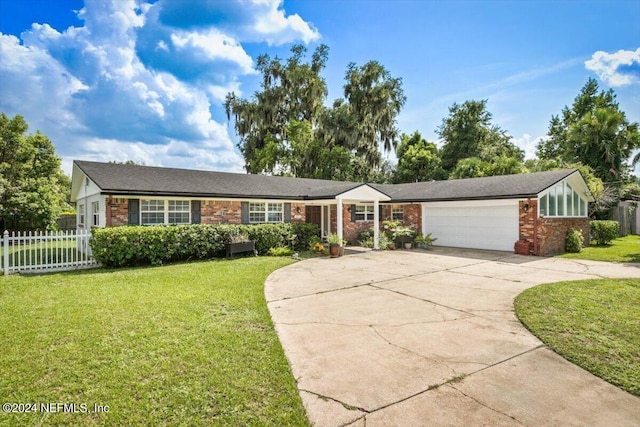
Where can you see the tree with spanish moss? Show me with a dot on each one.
(285, 129)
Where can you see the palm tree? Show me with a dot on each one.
(604, 140)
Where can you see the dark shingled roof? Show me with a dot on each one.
(492, 187)
(148, 180)
(115, 178)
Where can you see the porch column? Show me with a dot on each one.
(376, 223)
(339, 219)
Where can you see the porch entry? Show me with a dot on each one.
(319, 215)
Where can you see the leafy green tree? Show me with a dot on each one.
(604, 140)
(289, 91)
(33, 189)
(285, 128)
(375, 100)
(595, 132)
(468, 133)
(418, 160)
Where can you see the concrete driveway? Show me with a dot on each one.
(411, 338)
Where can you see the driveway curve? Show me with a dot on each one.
(410, 338)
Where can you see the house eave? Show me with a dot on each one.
(113, 192)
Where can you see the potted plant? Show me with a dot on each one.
(384, 243)
(334, 245)
(238, 243)
(403, 235)
(424, 241)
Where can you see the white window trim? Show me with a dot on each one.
(582, 203)
(165, 211)
(368, 212)
(81, 214)
(265, 212)
(398, 210)
(95, 214)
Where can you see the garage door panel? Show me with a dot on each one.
(479, 227)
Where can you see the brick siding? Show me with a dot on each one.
(412, 217)
(551, 233)
(211, 212)
(220, 212)
(117, 212)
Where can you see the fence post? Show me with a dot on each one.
(5, 252)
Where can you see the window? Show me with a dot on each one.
(364, 212)
(397, 213)
(562, 200)
(80, 214)
(256, 212)
(266, 212)
(152, 212)
(179, 211)
(95, 212)
(569, 195)
(275, 212)
(552, 202)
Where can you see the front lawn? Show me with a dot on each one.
(593, 323)
(623, 249)
(186, 344)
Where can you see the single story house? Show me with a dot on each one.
(482, 213)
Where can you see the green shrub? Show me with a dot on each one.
(574, 240)
(141, 245)
(603, 232)
(283, 251)
(304, 234)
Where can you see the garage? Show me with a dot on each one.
(489, 224)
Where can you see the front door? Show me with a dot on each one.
(313, 215)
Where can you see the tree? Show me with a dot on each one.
(418, 160)
(285, 129)
(291, 91)
(33, 189)
(468, 133)
(375, 100)
(604, 140)
(594, 132)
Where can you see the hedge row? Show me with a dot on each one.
(140, 245)
(603, 232)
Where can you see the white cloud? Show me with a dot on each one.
(616, 69)
(244, 20)
(126, 85)
(528, 145)
(272, 25)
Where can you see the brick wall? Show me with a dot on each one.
(117, 212)
(412, 217)
(551, 233)
(298, 216)
(211, 211)
(220, 212)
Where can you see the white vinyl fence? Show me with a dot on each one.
(44, 252)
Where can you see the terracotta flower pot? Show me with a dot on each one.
(334, 250)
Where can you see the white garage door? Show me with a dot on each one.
(478, 225)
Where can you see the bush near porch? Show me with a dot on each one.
(157, 245)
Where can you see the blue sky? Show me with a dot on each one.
(145, 81)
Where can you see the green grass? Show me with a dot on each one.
(187, 344)
(623, 249)
(592, 323)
